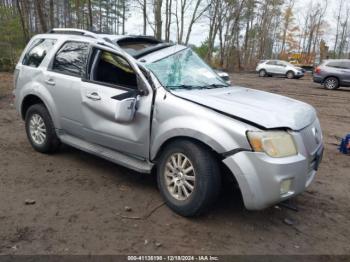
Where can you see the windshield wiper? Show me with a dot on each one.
(215, 86)
(187, 87)
(191, 87)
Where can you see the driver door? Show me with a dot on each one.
(111, 79)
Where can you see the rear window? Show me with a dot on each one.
(71, 58)
(37, 52)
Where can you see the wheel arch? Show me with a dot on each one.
(329, 76)
(225, 172)
(183, 137)
(290, 71)
(261, 70)
(32, 98)
(28, 101)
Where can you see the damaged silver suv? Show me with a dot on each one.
(155, 106)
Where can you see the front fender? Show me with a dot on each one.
(186, 126)
(176, 117)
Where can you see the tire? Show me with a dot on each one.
(205, 178)
(290, 75)
(40, 129)
(331, 83)
(262, 73)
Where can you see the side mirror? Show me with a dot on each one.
(126, 109)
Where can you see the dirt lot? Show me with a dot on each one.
(81, 199)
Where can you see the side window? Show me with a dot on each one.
(115, 70)
(37, 52)
(335, 64)
(271, 63)
(71, 58)
(346, 65)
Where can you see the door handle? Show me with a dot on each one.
(93, 96)
(50, 82)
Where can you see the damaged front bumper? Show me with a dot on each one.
(265, 181)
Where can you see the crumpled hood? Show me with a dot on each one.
(262, 108)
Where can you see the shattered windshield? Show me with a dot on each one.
(185, 70)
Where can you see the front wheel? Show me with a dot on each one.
(290, 75)
(188, 177)
(262, 73)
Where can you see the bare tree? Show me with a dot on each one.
(158, 18)
(287, 19)
(41, 16)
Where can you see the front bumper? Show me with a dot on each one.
(299, 74)
(260, 176)
(318, 79)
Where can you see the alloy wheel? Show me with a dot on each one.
(331, 84)
(37, 129)
(180, 176)
(290, 75)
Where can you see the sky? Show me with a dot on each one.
(134, 24)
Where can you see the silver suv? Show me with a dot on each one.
(279, 68)
(154, 106)
(333, 73)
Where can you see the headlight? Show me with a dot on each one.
(273, 143)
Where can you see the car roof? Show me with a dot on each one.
(337, 60)
(156, 51)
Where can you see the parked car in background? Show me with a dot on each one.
(158, 107)
(333, 74)
(279, 68)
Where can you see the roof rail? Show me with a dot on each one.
(73, 31)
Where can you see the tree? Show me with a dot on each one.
(158, 18)
(39, 8)
(287, 20)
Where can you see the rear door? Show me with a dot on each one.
(338, 68)
(30, 69)
(271, 67)
(63, 80)
(113, 77)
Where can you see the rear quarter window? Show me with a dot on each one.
(346, 64)
(37, 52)
(71, 59)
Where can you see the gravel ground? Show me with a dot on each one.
(80, 200)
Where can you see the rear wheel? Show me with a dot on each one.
(331, 83)
(40, 129)
(188, 177)
(290, 75)
(262, 73)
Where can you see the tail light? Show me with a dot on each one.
(318, 70)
